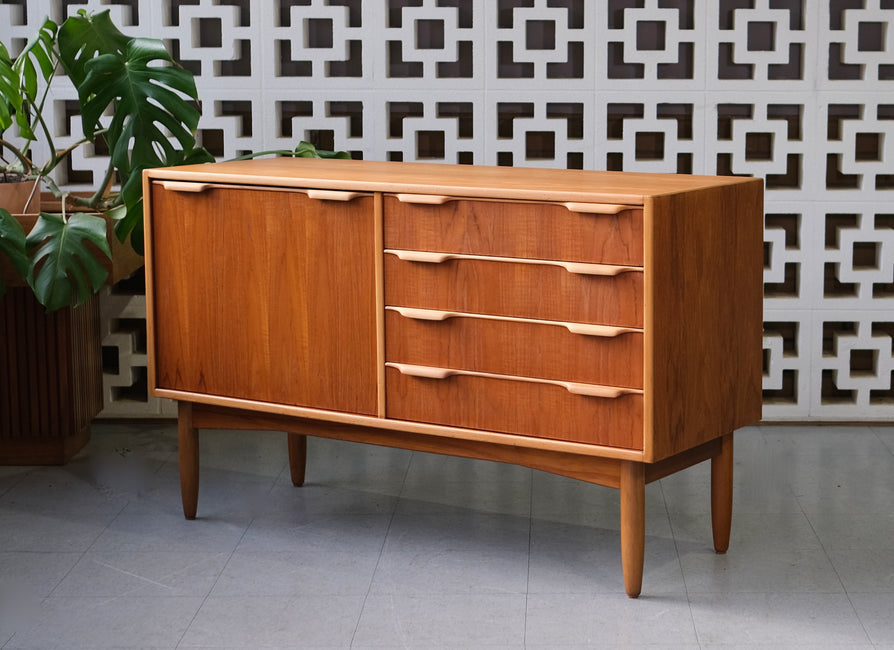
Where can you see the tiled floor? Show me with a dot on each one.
(387, 548)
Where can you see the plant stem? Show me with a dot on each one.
(26, 163)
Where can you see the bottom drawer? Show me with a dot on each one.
(514, 405)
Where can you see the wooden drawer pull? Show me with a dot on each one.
(584, 329)
(578, 268)
(598, 208)
(586, 390)
(185, 186)
(332, 195)
(424, 199)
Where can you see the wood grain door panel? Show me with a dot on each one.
(549, 231)
(265, 295)
(547, 350)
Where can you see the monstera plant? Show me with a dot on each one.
(135, 102)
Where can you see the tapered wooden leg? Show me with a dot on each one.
(722, 494)
(297, 458)
(188, 448)
(633, 525)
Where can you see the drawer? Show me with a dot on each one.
(513, 405)
(545, 349)
(518, 288)
(608, 234)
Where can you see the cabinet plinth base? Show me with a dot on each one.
(629, 477)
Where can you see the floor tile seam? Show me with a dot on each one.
(878, 435)
(670, 523)
(372, 578)
(530, 553)
(207, 595)
(89, 548)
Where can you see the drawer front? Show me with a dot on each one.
(515, 289)
(547, 231)
(550, 350)
(512, 405)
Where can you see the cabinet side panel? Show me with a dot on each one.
(265, 295)
(704, 295)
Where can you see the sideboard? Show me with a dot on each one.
(604, 326)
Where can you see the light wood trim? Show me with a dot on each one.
(186, 186)
(424, 199)
(333, 195)
(575, 388)
(418, 428)
(584, 329)
(149, 274)
(578, 268)
(598, 208)
(553, 185)
(378, 219)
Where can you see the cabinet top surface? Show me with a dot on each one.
(454, 180)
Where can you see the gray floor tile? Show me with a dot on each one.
(33, 573)
(142, 529)
(35, 531)
(876, 612)
(454, 554)
(753, 569)
(779, 620)
(263, 622)
(610, 621)
(443, 621)
(106, 623)
(118, 574)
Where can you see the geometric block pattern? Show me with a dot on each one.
(125, 363)
(798, 95)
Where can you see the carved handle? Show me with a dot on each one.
(185, 186)
(597, 208)
(583, 329)
(332, 195)
(424, 199)
(578, 268)
(585, 390)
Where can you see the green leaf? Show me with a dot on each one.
(148, 100)
(24, 80)
(65, 269)
(308, 150)
(12, 245)
(40, 50)
(83, 37)
(10, 97)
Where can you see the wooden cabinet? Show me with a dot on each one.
(603, 326)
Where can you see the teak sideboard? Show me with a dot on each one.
(604, 326)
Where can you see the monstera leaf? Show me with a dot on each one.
(148, 104)
(12, 245)
(65, 269)
(24, 80)
(83, 37)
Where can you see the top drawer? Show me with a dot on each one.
(602, 234)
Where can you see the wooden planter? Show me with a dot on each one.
(51, 367)
(50, 379)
